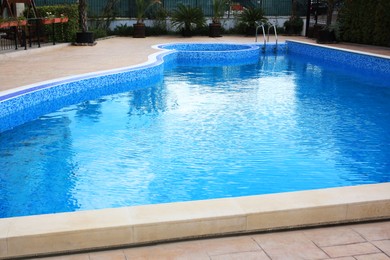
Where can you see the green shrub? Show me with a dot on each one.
(123, 30)
(99, 33)
(187, 19)
(293, 25)
(366, 22)
(249, 19)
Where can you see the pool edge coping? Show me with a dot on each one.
(341, 49)
(139, 225)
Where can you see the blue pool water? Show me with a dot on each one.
(286, 123)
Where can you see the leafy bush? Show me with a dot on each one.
(250, 18)
(123, 30)
(366, 22)
(187, 18)
(293, 25)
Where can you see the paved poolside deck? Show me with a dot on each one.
(360, 241)
(350, 242)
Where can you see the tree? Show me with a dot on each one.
(84, 37)
(329, 14)
(83, 15)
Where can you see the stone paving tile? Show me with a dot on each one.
(182, 250)
(334, 236)
(289, 245)
(379, 256)
(258, 255)
(374, 231)
(229, 245)
(383, 245)
(351, 250)
(343, 258)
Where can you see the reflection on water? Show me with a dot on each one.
(205, 132)
(37, 168)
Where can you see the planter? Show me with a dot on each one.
(13, 23)
(64, 19)
(22, 22)
(47, 21)
(85, 38)
(4, 24)
(57, 20)
(215, 30)
(326, 36)
(139, 30)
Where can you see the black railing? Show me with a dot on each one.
(25, 36)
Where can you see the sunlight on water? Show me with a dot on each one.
(283, 124)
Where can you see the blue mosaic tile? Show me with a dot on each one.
(218, 54)
(23, 106)
(363, 62)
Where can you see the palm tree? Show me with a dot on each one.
(84, 37)
(83, 15)
(185, 18)
(141, 7)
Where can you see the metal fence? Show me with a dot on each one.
(126, 8)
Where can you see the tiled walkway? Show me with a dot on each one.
(360, 241)
(349, 242)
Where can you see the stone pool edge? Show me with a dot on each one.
(139, 225)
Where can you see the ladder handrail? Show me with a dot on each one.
(257, 28)
(276, 34)
(270, 25)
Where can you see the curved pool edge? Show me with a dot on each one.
(45, 97)
(139, 225)
(154, 59)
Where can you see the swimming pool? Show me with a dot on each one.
(286, 104)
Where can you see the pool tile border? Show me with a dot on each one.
(129, 226)
(376, 64)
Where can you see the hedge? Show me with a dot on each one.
(366, 22)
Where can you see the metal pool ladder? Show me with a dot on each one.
(270, 25)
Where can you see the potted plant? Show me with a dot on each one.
(294, 25)
(218, 12)
(250, 18)
(84, 37)
(187, 18)
(142, 6)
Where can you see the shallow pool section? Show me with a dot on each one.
(285, 123)
(211, 54)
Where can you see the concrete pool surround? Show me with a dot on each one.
(138, 225)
